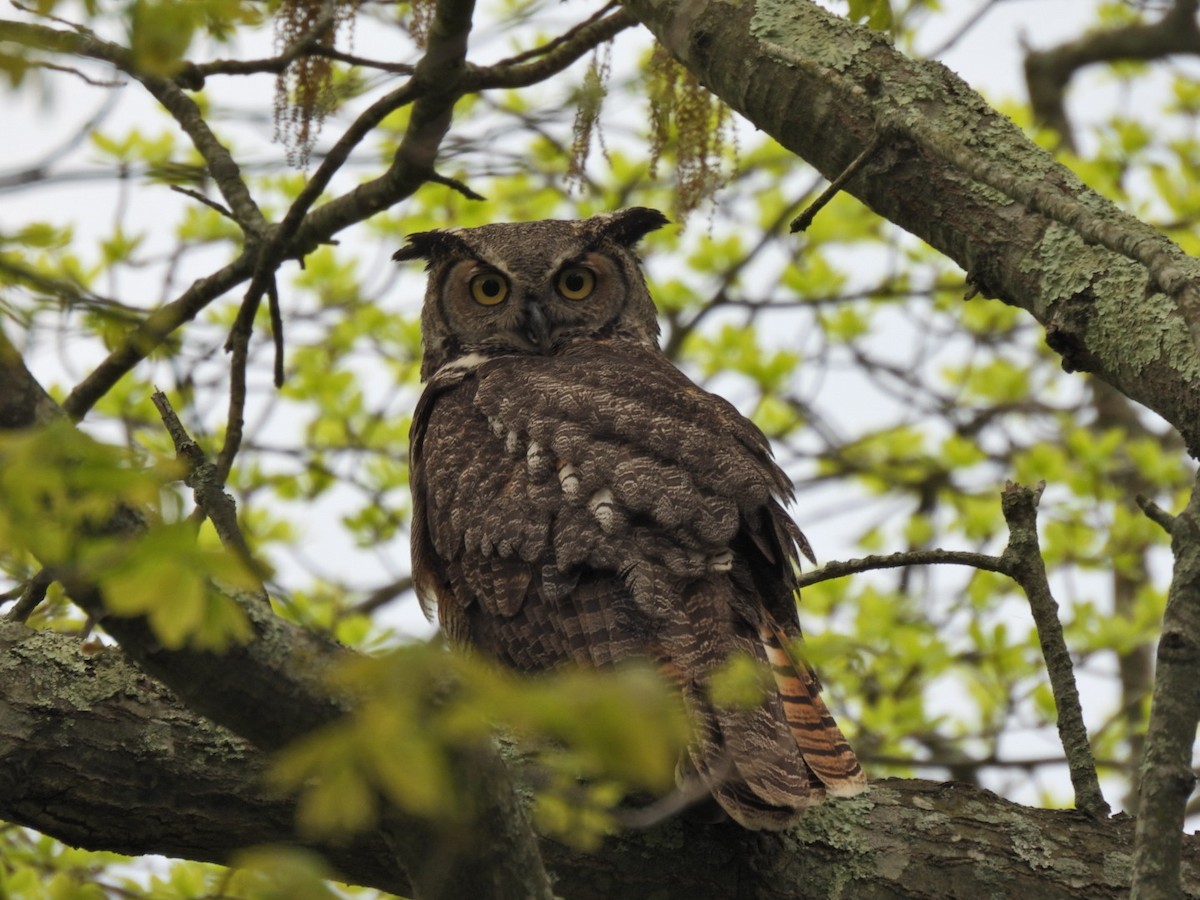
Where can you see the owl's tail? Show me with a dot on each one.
(822, 745)
(766, 763)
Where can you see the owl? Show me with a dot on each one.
(578, 500)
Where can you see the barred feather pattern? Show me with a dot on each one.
(594, 505)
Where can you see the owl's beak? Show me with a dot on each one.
(537, 329)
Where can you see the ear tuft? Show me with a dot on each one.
(628, 226)
(429, 245)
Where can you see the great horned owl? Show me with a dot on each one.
(577, 499)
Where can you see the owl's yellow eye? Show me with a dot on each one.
(576, 282)
(489, 288)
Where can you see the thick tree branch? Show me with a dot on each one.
(824, 88)
(87, 745)
(1167, 778)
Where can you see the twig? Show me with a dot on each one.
(971, 21)
(1156, 513)
(455, 184)
(31, 597)
(802, 221)
(86, 79)
(362, 61)
(686, 795)
(1023, 557)
(840, 569)
(558, 41)
(1170, 270)
(383, 595)
(152, 332)
(207, 201)
(555, 56)
(192, 77)
(1049, 72)
(1022, 562)
(206, 485)
(238, 346)
(1166, 776)
(276, 328)
(171, 97)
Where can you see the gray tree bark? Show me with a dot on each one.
(99, 755)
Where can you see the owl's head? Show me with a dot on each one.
(533, 287)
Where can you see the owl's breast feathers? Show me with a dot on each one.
(595, 506)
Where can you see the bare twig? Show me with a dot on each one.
(82, 76)
(972, 20)
(1167, 778)
(1156, 513)
(203, 479)
(1023, 557)
(170, 96)
(192, 77)
(364, 62)
(456, 185)
(238, 346)
(802, 221)
(840, 569)
(1022, 562)
(554, 56)
(207, 201)
(384, 595)
(1170, 270)
(276, 329)
(152, 332)
(33, 594)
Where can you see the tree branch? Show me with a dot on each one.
(1023, 557)
(276, 688)
(183, 109)
(87, 744)
(556, 56)
(1167, 778)
(1022, 562)
(1049, 72)
(824, 87)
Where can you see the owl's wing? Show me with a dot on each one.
(595, 506)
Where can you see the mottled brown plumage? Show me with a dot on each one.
(577, 499)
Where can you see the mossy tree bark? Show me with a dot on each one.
(96, 753)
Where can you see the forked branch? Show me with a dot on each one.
(1022, 562)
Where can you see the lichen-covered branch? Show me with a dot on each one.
(1023, 556)
(86, 743)
(825, 88)
(1167, 778)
